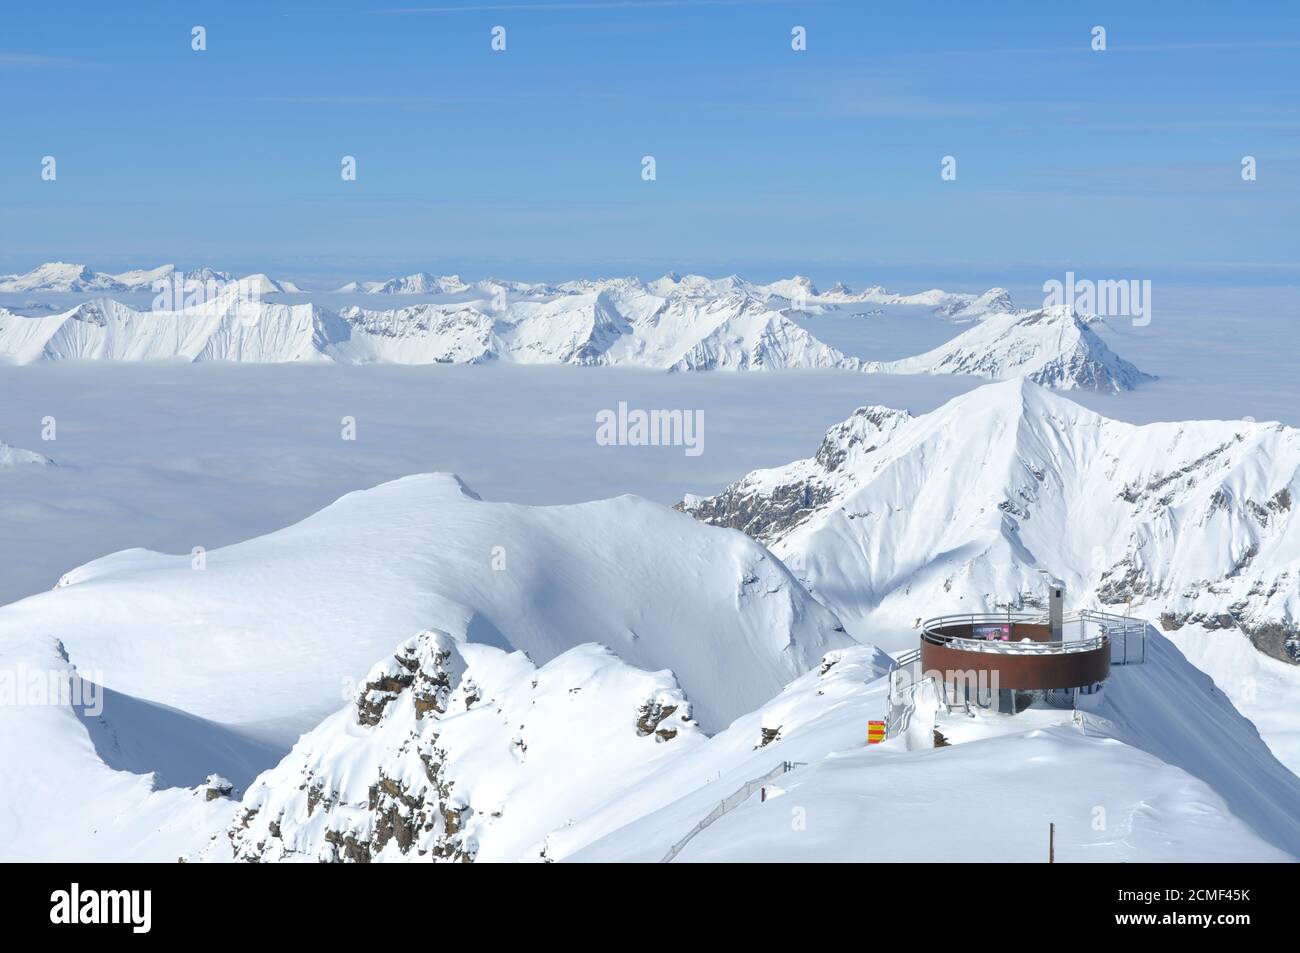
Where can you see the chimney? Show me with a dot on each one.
(1056, 608)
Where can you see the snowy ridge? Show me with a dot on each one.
(781, 293)
(619, 324)
(342, 587)
(421, 283)
(674, 323)
(1053, 347)
(898, 518)
(218, 668)
(57, 276)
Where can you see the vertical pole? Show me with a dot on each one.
(1051, 843)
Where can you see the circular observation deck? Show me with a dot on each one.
(1015, 648)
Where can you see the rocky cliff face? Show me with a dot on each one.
(455, 752)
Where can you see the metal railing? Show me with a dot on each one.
(1026, 647)
(979, 618)
(1128, 636)
(907, 658)
(1091, 629)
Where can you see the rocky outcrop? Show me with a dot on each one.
(441, 740)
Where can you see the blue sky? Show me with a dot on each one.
(527, 163)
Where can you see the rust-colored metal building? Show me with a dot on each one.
(1023, 656)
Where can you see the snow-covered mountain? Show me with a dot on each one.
(673, 323)
(1053, 347)
(782, 292)
(896, 517)
(342, 587)
(617, 325)
(490, 681)
(215, 662)
(420, 283)
(62, 277)
(957, 306)
(457, 751)
(17, 457)
(59, 276)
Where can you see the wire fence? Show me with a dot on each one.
(730, 803)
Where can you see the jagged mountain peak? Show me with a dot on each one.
(460, 752)
(1050, 346)
(959, 509)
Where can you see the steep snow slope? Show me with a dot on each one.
(266, 632)
(1265, 690)
(458, 751)
(228, 329)
(1052, 347)
(79, 784)
(898, 518)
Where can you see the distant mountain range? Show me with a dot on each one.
(62, 277)
(672, 323)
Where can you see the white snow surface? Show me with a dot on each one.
(266, 634)
(218, 669)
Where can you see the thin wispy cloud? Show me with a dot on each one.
(577, 6)
(37, 61)
(1114, 46)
